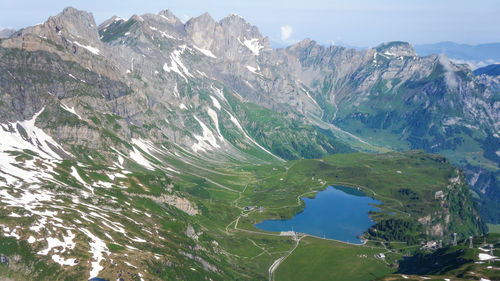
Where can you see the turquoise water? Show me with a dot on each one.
(338, 212)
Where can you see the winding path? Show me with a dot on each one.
(277, 262)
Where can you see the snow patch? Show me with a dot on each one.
(215, 102)
(253, 69)
(163, 33)
(202, 73)
(91, 49)
(104, 184)
(53, 243)
(71, 110)
(387, 53)
(60, 260)
(485, 257)
(215, 119)
(74, 173)
(129, 264)
(219, 92)
(309, 96)
(97, 248)
(451, 121)
(31, 239)
(254, 45)
(206, 52)
(12, 233)
(140, 159)
(176, 63)
(205, 142)
(137, 239)
(147, 146)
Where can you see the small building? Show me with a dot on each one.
(380, 256)
(288, 233)
(439, 195)
(430, 245)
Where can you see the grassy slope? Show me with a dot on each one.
(493, 228)
(317, 259)
(220, 193)
(284, 136)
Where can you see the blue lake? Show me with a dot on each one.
(338, 212)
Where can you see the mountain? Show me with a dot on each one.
(490, 70)
(146, 148)
(5, 33)
(390, 97)
(475, 55)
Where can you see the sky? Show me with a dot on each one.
(362, 23)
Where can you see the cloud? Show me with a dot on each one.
(286, 32)
(449, 76)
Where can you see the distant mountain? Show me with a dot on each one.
(6, 33)
(490, 70)
(475, 55)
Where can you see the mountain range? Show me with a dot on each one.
(475, 55)
(141, 148)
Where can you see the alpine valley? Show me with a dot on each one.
(148, 148)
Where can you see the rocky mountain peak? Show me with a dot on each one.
(137, 18)
(169, 16)
(72, 24)
(76, 23)
(234, 19)
(204, 19)
(109, 21)
(306, 43)
(238, 27)
(396, 48)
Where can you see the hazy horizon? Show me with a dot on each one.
(359, 23)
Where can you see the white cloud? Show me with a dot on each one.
(449, 75)
(286, 32)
